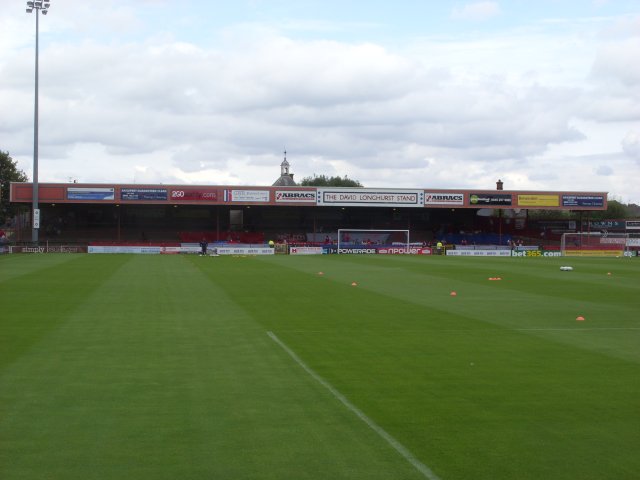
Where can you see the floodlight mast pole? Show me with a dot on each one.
(38, 6)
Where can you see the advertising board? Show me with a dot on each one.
(399, 250)
(633, 224)
(496, 199)
(245, 251)
(35, 249)
(306, 251)
(404, 251)
(143, 194)
(609, 240)
(246, 195)
(443, 198)
(479, 253)
(607, 225)
(582, 201)
(536, 253)
(194, 195)
(48, 249)
(538, 200)
(295, 196)
(593, 253)
(357, 250)
(369, 197)
(124, 249)
(191, 248)
(171, 250)
(90, 193)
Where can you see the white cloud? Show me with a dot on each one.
(539, 109)
(604, 170)
(617, 60)
(631, 145)
(477, 12)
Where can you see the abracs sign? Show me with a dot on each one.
(295, 196)
(443, 198)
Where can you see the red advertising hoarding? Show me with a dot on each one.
(189, 195)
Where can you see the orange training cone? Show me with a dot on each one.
(453, 294)
(354, 284)
(580, 318)
(320, 273)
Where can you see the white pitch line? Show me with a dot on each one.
(401, 449)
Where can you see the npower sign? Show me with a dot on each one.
(443, 198)
(295, 196)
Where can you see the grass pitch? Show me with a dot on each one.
(162, 367)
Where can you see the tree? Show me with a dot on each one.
(324, 181)
(552, 215)
(615, 210)
(9, 172)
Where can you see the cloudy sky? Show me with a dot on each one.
(543, 94)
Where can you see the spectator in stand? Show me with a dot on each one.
(3, 237)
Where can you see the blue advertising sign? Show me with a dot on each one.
(90, 193)
(607, 225)
(582, 201)
(143, 194)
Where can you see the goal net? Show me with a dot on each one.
(594, 244)
(369, 238)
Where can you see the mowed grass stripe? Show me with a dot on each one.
(519, 301)
(159, 374)
(12, 266)
(39, 292)
(468, 397)
(529, 275)
(401, 449)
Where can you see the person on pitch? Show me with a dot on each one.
(203, 246)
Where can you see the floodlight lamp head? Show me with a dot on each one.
(44, 12)
(38, 4)
(29, 10)
(30, 4)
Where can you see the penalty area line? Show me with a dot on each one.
(401, 449)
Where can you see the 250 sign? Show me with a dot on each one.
(194, 195)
